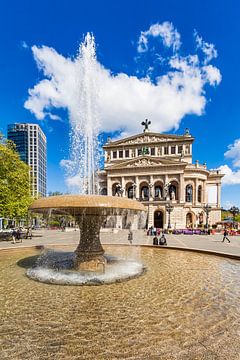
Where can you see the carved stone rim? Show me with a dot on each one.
(78, 203)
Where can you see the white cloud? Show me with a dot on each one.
(166, 31)
(212, 74)
(233, 152)
(123, 101)
(208, 49)
(24, 45)
(231, 177)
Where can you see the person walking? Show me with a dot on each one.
(14, 236)
(225, 236)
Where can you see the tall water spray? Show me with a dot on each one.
(84, 152)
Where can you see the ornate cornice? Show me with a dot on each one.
(147, 161)
(147, 139)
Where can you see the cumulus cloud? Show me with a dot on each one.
(165, 31)
(232, 177)
(208, 49)
(233, 152)
(123, 100)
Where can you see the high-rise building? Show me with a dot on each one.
(31, 144)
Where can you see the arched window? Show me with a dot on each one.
(189, 193)
(199, 194)
(145, 192)
(158, 192)
(189, 220)
(173, 192)
(130, 192)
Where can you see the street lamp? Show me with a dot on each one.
(207, 208)
(234, 211)
(169, 209)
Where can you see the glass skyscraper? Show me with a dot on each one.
(31, 144)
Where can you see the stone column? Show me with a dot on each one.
(182, 189)
(196, 191)
(137, 187)
(151, 188)
(219, 195)
(109, 186)
(123, 186)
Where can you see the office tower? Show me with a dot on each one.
(31, 144)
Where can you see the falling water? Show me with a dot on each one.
(84, 152)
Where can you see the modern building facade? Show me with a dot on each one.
(157, 170)
(31, 145)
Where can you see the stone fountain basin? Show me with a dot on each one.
(86, 204)
(90, 212)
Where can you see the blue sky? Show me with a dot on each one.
(117, 27)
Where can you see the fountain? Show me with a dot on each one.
(90, 211)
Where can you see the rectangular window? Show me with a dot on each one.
(126, 153)
(139, 152)
(187, 149)
(165, 150)
(180, 149)
(121, 153)
(153, 151)
(173, 149)
(114, 154)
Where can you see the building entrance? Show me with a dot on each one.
(158, 219)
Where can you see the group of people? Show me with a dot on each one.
(152, 231)
(17, 234)
(161, 241)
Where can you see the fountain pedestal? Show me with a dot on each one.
(89, 253)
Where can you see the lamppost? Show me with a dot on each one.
(234, 211)
(207, 208)
(169, 209)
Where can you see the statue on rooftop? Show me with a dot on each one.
(146, 123)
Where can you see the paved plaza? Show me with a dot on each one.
(209, 243)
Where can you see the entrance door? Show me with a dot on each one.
(158, 219)
(189, 220)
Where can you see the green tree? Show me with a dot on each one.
(54, 193)
(15, 195)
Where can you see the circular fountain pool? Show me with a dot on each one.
(186, 306)
(57, 267)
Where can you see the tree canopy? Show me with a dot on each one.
(15, 196)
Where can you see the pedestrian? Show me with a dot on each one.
(14, 236)
(29, 232)
(130, 236)
(225, 236)
(19, 234)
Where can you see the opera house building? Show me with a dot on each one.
(157, 170)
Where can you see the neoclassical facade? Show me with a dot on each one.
(157, 170)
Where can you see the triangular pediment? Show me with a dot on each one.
(146, 161)
(146, 138)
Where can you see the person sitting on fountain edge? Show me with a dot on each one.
(163, 240)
